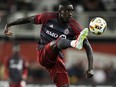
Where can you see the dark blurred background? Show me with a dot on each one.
(104, 46)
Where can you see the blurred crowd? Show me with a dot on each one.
(37, 74)
(102, 75)
(31, 5)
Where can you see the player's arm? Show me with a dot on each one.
(22, 21)
(17, 22)
(37, 19)
(89, 53)
(25, 70)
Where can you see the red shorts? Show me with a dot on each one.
(19, 84)
(56, 68)
(14, 85)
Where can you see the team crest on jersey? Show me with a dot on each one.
(66, 31)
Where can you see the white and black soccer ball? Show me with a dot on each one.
(97, 26)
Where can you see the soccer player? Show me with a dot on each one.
(16, 69)
(59, 31)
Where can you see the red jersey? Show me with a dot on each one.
(53, 27)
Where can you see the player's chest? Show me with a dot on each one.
(55, 29)
(16, 64)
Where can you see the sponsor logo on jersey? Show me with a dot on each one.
(18, 65)
(52, 34)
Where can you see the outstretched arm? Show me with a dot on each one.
(17, 22)
(22, 21)
(89, 53)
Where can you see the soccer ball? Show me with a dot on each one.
(97, 26)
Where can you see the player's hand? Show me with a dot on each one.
(89, 73)
(7, 32)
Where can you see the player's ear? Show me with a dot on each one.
(60, 8)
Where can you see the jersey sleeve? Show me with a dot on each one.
(44, 17)
(40, 18)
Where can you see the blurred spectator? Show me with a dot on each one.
(48, 5)
(93, 5)
(99, 76)
(37, 74)
(110, 73)
(1, 71)
(25, 5)
(76, 72)
(8, 5)
(110, 5)
(76, 2)
(4, 5)
(73, 2)
(16, 69)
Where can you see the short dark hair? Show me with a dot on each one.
(65, 3)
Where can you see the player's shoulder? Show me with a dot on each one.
(50, 14)
(74, 23)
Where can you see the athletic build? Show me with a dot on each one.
(59, 31)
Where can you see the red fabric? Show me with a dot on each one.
(61, 79)
(25, 68)
(25, 72)
(54, 67)
(76, 27)
(43, 18)
(15, 85)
